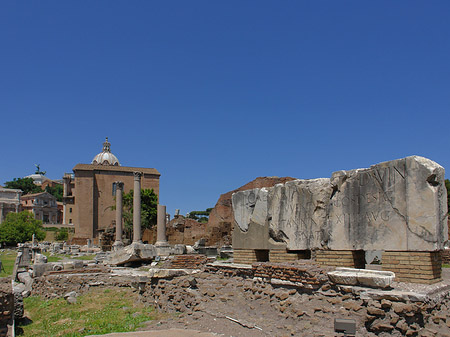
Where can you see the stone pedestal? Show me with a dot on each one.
(137, 208)
(118, 244)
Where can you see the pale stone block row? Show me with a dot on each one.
(399, 205)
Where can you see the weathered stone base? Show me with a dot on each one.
(416, 267)
(341, 258)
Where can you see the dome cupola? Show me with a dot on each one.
(106, 157)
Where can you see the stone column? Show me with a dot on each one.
(65, 194)
(161, 238)
(119, 193)
(1, 213)
(17, 208)
(137, 208)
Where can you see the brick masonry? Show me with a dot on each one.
(415, 267)
(285, 256)
(445, 256)
(244, 256)
(196, 261)
(340, 258)
(306, 275)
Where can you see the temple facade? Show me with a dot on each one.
(89, 192)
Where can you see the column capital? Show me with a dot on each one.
(119, 184)
(137, 175)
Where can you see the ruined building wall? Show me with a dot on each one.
(93, 195)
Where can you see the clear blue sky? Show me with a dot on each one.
(216, 93)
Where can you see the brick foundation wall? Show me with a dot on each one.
(416, 267)
(244, 256)
(285, 256)
(445, 254)
(6, 306)
(81, 241)
(188, 261)
(310, 276)
(340, 258)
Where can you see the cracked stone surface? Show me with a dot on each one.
(398, 205)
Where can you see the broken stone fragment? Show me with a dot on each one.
(71, 300)
(132, 253)
(70, 294)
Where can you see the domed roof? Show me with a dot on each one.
(106, 157)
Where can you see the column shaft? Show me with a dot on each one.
(161, 237)
(119, 190)
(137, 207)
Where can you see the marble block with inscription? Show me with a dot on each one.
(399, 205)
(252, 207)
(396, 205)
(297, 212)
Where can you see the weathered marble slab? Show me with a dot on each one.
(396, 205)
(252, 207)
(298, 212)
(362, 277)
(399, 205)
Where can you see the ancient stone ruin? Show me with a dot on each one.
(397, 208)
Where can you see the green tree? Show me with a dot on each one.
(149, 210)
(200, 216)
(57, 191)
(62, 234)
(20, 227)
(25, 184)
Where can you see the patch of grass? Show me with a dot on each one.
(218, 258)
(96, 312)
(85, 257)
(53, 258)
(8, 258)
(59, 257)
(446, 266)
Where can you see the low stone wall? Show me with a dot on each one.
(54, 286)
(229, 270)
(188, 261)
(416, 267)
(6, 306)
